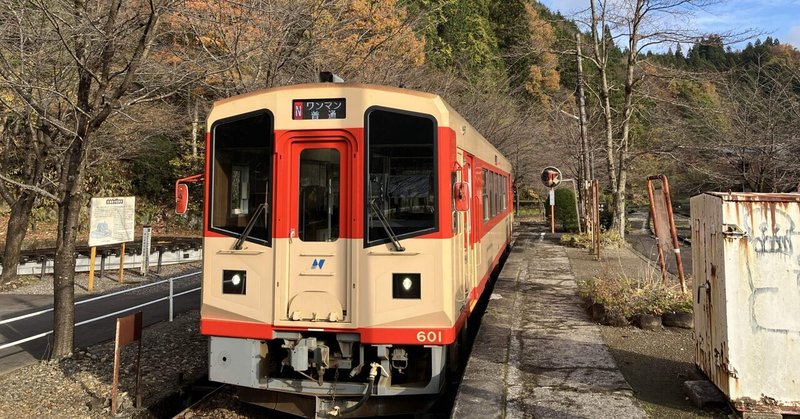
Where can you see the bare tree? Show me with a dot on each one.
(24, 154)
(641, 24)
(73, 65)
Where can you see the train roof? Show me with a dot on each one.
(336, 86)
(390, 96)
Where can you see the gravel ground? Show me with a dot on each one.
(80, 387)
(655, 363)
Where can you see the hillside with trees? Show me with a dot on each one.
(109, 98)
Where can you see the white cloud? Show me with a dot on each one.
(793, 37)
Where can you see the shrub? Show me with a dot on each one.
(565, 210)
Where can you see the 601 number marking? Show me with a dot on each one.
(429, 337)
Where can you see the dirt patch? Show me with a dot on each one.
(655, 363)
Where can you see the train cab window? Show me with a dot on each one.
(241, 174)
(319, 195)
(401, 175)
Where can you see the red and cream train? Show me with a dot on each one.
(349, 232)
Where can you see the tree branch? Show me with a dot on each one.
(31, 188)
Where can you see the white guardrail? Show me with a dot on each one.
(169, 297)
(165, 257)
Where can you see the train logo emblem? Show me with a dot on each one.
(298, 110)
(317, 264)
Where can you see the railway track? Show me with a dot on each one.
(205, 399)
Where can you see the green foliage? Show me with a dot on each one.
(565, 215)
(108, 178)
(459, 36)
(625, 297)
(153, 176)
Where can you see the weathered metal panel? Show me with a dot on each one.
(747, 314)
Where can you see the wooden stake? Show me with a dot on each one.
(122, 264)
(91, 269)
(552, 218)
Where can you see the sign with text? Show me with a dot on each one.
(319, 109)
(111, 220)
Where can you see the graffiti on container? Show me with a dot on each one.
(771, 236)
(774, 272)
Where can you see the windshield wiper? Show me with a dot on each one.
(249, 227)
(386, 226)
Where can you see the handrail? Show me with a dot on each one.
(169, 297)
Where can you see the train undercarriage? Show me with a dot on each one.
(324, 374)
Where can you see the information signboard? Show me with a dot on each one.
(111, 220)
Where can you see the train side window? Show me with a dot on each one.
(401, 174)
(241, 172)
(505, 193)
(493, 192)
(485, 194)
(497, 193)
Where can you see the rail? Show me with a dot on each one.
(171, 296)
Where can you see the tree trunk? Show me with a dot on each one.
(17, 228)
(64, 263)
(64, 281)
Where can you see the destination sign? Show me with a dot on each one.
(319, 109)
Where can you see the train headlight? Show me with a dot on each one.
(234, 282)
(406, 285)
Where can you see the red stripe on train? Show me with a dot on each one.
(369, 335)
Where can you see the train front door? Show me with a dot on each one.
(316, 262)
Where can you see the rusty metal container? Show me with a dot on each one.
(746, 263)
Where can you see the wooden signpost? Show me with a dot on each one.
(129, 330)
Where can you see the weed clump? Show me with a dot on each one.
(608, 239)
(616, 299)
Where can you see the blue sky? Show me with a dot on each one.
(777, 18)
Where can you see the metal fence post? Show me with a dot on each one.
(170, 298)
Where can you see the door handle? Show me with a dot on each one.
(291, 234)
(706, 285)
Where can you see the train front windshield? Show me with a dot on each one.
(241, 175)
(401, 160)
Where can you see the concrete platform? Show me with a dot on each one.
(537, 353)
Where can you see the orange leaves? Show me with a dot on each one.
(544, 77)
(371, 38)
(243, 45)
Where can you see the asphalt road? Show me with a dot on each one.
(642, 241)
(13, 305)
